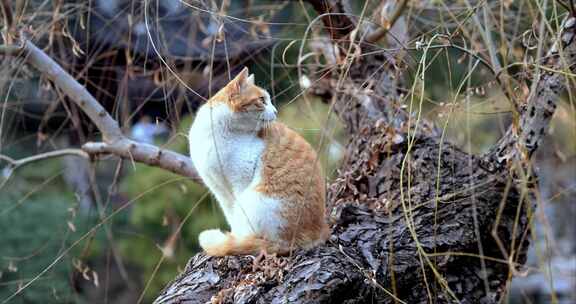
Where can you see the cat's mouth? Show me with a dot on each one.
(267, 116)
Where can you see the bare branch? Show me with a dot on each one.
(383, 30)
(8, 16)
(520, 142)
(77, 93)
(114, 141)
(14, 164)
(147, 154)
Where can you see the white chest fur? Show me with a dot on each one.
(227, 161)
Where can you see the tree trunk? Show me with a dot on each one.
(414, 219)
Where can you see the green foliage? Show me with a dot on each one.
(33, 235)
(38, 221)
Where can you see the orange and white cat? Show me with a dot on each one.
(266, 177)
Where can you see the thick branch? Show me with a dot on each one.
(146, 154)
(114, 141)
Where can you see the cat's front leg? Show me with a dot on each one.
(256, 214)
(256, 225)
(226, 203)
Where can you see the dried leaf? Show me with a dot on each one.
(95, 278)
(71, 226)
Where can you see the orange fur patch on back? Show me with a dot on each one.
(291, 172)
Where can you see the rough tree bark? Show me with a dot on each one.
(414, 219)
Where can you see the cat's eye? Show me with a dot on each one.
(259, 102)
(253, 106)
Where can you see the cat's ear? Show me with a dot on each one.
(239, 82)
(250, 79)
(241, 77)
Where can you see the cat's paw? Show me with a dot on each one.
(211, 238)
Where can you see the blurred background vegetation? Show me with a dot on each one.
(51, 211)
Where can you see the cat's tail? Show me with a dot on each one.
(218, 243)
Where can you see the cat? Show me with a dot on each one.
(265, 176)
